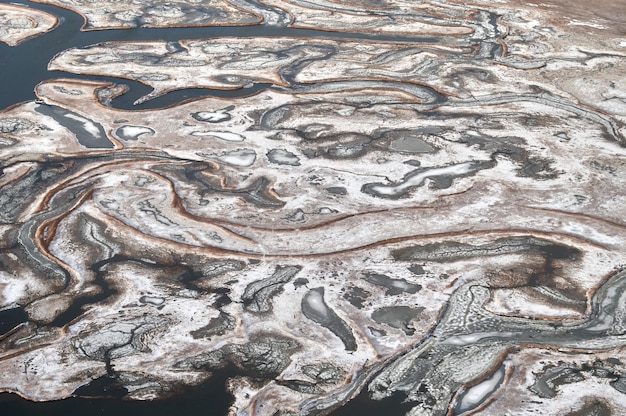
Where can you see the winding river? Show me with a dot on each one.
(28, 62)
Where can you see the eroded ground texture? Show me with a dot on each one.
(109, 14)
(437, 217)
(18, 23)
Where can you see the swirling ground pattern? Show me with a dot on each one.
(18, 23)
(439, 217)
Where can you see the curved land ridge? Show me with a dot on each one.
(425, 206)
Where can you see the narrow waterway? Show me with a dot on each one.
(26, 65)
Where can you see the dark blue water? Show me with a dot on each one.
(25, 66)
(10, 318)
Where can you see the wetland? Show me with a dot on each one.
(286, 207)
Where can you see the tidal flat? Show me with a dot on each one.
(330, 207)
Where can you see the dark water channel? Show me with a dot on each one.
(208, 399)
(24, 66)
